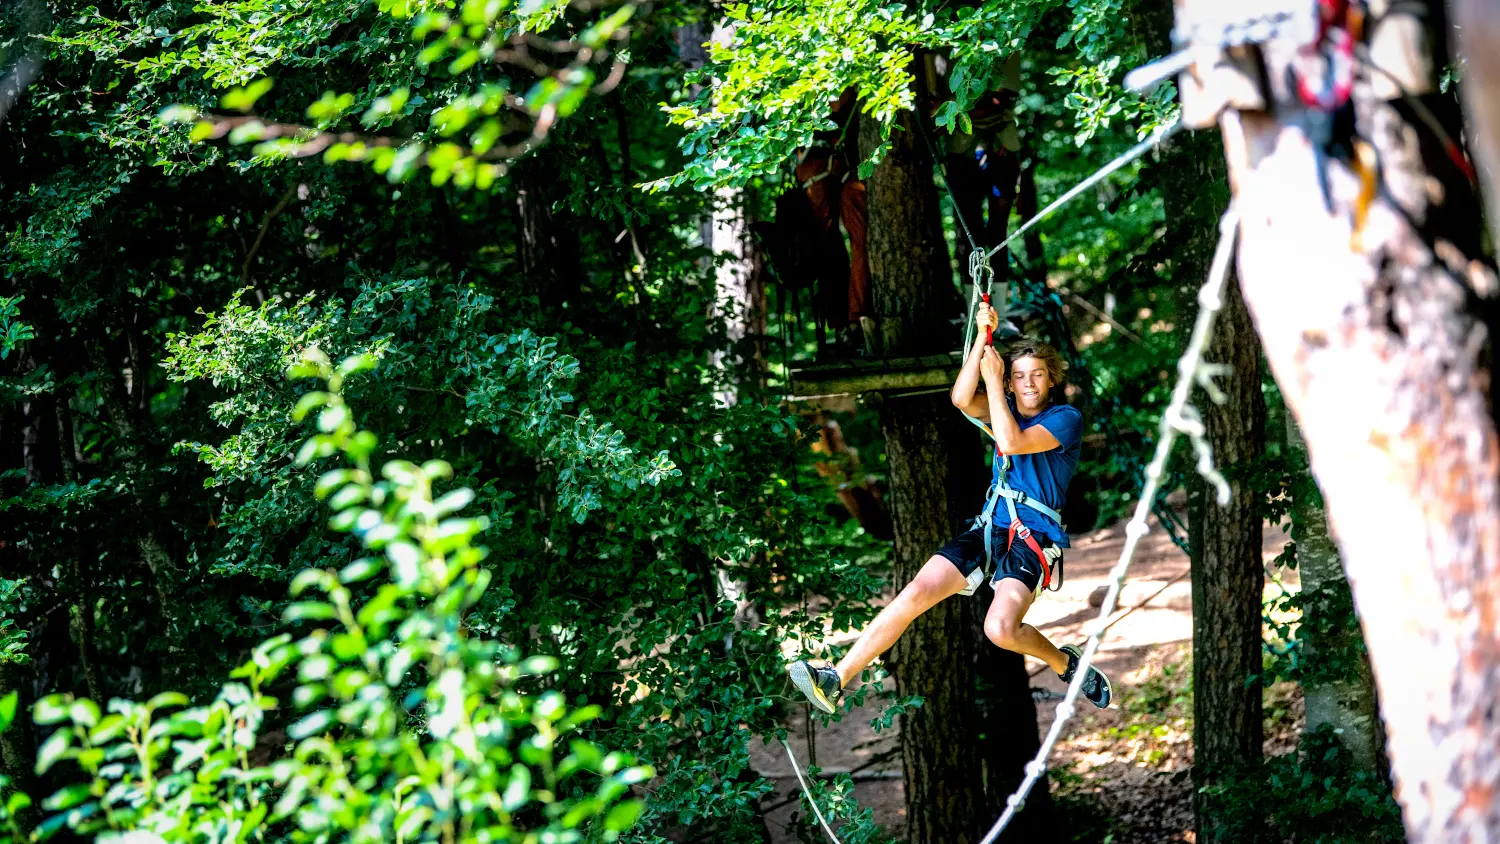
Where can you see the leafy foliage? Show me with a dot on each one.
(415, 729)
(1314, 795)
(13, 332)
(12, 638)
(786, 62)
(480, 33)
(547, 336)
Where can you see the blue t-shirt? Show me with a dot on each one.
(1044, 475)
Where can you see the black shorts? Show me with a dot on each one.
(966, 552)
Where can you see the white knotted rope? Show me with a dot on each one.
(1176, 419)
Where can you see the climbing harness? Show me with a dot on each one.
(1048, 558)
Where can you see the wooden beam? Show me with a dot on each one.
(876, 374)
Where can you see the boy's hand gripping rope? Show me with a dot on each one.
(1179, 417)
(979, 266)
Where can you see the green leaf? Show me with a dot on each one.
(51, 709)
(84, 712)
(309, 611)
(623, 815)
(166, 699)
(174, 114)
(67, 797)
(244, 98)
(361, 569)
(8, 709)
(517, 789)
(306, 404)
(310, 725)
(538, 665)
(53, 749)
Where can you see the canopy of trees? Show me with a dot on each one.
(396, 430)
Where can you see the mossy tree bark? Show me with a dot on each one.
(1228, 574)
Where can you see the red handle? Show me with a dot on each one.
(989, 330)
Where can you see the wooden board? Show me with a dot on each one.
(864, 375)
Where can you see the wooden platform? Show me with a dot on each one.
(884, 375)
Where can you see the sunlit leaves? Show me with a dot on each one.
(361, 767)
(773, 85)
(243, 98)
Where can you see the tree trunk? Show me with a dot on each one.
(933, 457)
(1476, 27)
(1376, 331)
(735, 279)
(17, 749)
(1337, 685)
(1228, 573)
(945, 799)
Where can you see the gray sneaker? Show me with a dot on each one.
(819, 682)
(1096, 686)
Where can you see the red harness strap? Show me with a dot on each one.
(1018, 529)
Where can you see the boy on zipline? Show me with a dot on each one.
(1020, 529)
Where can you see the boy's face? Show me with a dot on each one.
(1030, 383)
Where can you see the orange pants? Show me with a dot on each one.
(835, 200)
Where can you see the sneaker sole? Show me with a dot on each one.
(1109, 689)
(802, 678)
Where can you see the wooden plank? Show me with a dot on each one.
(875, 374)
(892, 363)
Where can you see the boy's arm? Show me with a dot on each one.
(966, 395)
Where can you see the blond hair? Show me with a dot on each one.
(1024, 348)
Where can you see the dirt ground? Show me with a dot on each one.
(1114, 770)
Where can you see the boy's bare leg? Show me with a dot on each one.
(937, 580)
(1002, 624)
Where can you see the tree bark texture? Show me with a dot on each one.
(1346, 702)
(908, 256)
(934, 468)
(1476, 28)
(1374, 323)
(945, 799)
(1228, 573)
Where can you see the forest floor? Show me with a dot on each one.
(1115, 772)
